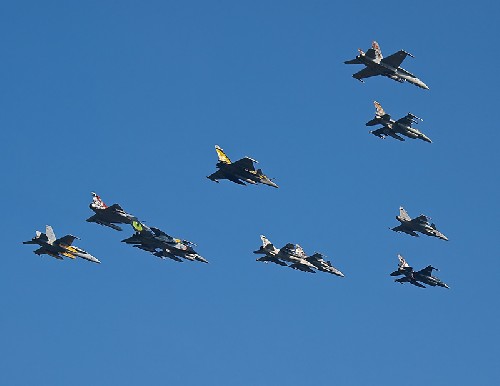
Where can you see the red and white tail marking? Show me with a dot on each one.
(378, 51)
(97, 202)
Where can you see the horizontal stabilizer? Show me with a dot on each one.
(353, 61)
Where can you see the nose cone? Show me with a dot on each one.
(421, 84)
(270, 183)
(426, 138)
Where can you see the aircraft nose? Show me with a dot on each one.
(423, 85)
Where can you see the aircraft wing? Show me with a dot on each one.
(416, 283)
(218, 175)
(386, 132)
(42, 251)
(302, 267)
(66, 240)
(427, 271)
(401, 228)
(396, 59)
(245, 163)
(422, 219)
(407, 120)
(114, 208)
(365, 73)
(163, 254)
(95, 218)
(410, 280)
(270, 259)
(146, 247)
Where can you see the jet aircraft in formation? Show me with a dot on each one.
(417, 277)
(392, 128)
(58, 247)
(109, 215)
(418, 224)
(240, 171)
(295, 255)
(389, 66)
(162, 245)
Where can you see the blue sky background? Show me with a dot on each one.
(129, 98)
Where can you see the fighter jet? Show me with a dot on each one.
(294, 254)
(240, 172)
(57, 248)
(109, 215)
(318, 260)
(419, 224)
(417, 277)
(162, 245)
(393, 128)
(376, 64)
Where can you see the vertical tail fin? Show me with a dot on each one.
(51, 236)
(222, 156)
(374, 52)
(402, 262)
(265, 241)
(378, 51)
(97, 202)
(378, 109)
(403, 215)
(299, 251)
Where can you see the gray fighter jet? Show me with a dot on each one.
(417, 277)
(162, 245)
(109, 215)
(376, 64)
(240, 172)
(295, 255)
(57, 248)
(392, 128)
(418, 224)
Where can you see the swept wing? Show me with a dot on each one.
(245, 163)
(396, 59)
(366, 73)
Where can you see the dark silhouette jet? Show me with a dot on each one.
(109, 215)
(392, 128)
(417, 277)
(162, 245)
(376, 64)
(239, 172)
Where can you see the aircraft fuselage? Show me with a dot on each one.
(398, 74)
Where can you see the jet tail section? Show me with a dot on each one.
(402, 262)
(267, 246)
(222, 156)
(378, 51)
(265, 241)
(403, 215)
(97, 202)
(374, 52)
(378, 109)
(51, 236)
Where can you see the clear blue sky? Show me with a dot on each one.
(129, 98)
